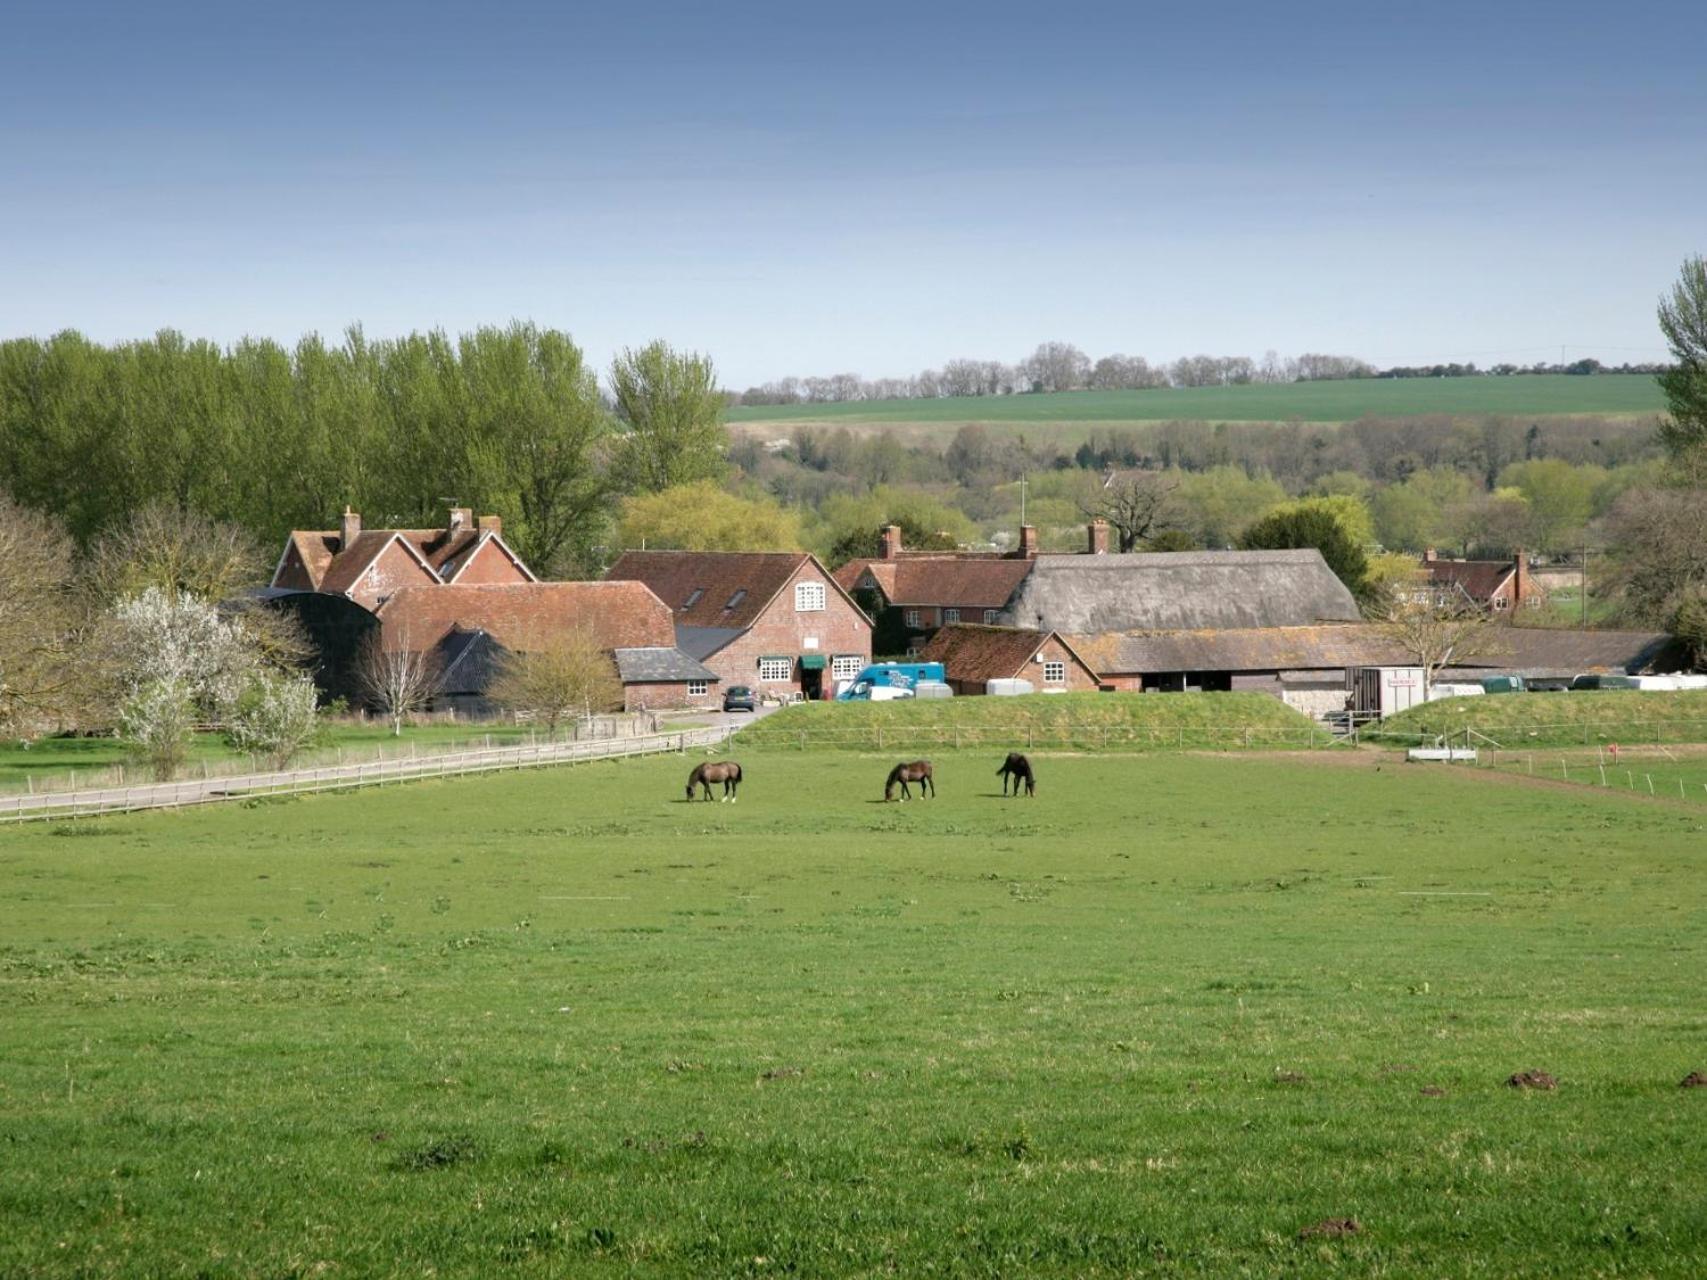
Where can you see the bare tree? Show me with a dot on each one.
(1057, 366)
(1136, 504)
(42, 681)
(396, 678)
(1435, 633)
(562, 676)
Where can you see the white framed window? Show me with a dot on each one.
(990, 616)
(772, 670)
(910, 617)
(1054, 673)
(950, 615)
(698, 688)
(1500, 602)
(845, 666)
(913, 651)
(808, 597)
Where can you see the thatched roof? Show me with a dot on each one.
(1180, 591)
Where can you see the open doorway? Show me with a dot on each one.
(812, 683)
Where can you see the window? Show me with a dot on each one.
(845, 666)
(1054, 673)
(694, 598)
(808, 597)
(736, 599)
(990, 616)
(912, 652)
(1500, 602)
(950, 615)
(910, 617)
(772, 670)
(697, 688)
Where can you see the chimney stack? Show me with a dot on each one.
(889, 546)
(1028, 541)
(1520, 577)
(1098, 537)
(349, 527)
(489, 524)
(460, 518)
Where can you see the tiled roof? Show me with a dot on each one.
(957, 581)
(977, 653)
(658, 665)
(517, 615)
(722, 589)
(330, 567)
(1479, 578)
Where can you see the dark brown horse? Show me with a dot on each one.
(1019, 768)
(918, 771)
(725, 771)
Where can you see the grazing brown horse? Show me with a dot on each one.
(918, 771)
(1019, 768)
(725, 771)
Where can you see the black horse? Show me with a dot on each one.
(918, 771)
(725, 771)
(1019, 768)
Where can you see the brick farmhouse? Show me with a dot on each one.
(775, 621)
(1498, 586)
(972, 655)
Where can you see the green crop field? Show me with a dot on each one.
(1157, 1021)
(1541, 395)
(1625, 716)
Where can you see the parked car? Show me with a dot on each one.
(738, 697)
(1595, 682)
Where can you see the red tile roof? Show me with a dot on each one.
(1479, 578)
(977, 653)
(724, 589)
(330, 567)
(621, 615)
(957, 581)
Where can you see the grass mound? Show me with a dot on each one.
(1624, 716)
(1082, 721)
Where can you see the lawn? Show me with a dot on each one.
(1082, 720)
(1156, 1021)
(1542, 395)
(1517, 720)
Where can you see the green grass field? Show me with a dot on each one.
(1516, 720)
(1544, 395)
(1082, 720)
(1156, 1021)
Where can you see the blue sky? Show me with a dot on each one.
(877, 188)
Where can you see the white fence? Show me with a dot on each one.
(337, 777)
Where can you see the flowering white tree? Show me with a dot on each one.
(181, 641)
(277, 716)
(157, 720)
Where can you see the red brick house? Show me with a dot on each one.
(910, 594)
(775, 621)
(973, 655)
(369, 565)
(470, 629)
(1498, 586)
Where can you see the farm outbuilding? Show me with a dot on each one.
(974, 655)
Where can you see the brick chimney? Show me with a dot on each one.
(489, 524)
(1098, 533)
(460, 518)
(349, 527)
(1430, 556)
(889, 545)
(1028, 541)
(1520, 577)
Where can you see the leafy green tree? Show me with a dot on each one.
(672, 410)
(701, 516)
(1560, 498)
(1299, 525)
(1217, 505)
(1683, 320)
(851, 525)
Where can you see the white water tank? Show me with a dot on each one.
(1007, 688)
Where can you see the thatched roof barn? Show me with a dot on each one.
(1180, 591)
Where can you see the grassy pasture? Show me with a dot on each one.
(1154, 1022)
(1085, 721)
(1544, 395)
(1516, 720)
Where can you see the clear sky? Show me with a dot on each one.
(873, 187)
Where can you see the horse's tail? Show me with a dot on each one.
(737, 769)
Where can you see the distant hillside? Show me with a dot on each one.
(1540, 395)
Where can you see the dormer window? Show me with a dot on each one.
(735, 600)
(693, 599)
